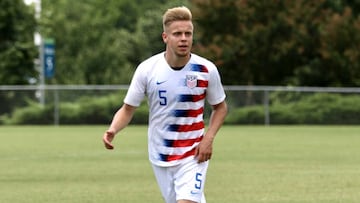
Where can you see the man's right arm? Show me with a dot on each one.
(120, 120)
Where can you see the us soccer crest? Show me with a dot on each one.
(191, 81)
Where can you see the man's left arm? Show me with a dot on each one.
(204, 149)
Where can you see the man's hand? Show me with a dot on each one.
(108, 138)
(203, 151)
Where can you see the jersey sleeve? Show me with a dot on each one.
(137, 88)
(215, 93)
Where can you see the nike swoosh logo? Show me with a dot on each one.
(194, 192)
(161, 82)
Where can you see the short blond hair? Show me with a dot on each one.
(176, 14)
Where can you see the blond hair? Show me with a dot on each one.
(176, 14)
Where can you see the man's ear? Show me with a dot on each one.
(164, 37)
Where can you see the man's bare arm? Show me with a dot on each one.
(120, 120)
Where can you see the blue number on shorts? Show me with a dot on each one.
(163, 99)
(198, 180)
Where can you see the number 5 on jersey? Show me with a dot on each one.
(163, 99)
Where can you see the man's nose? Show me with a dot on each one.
(183, 36)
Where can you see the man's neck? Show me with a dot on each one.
(176, 61)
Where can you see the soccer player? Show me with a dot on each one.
(177, 83)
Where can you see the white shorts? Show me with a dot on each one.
(184, 181)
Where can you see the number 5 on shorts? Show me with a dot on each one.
(198, 180)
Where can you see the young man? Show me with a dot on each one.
(177, 83)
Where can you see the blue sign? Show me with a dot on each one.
(49, 58)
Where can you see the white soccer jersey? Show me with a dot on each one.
(176, 104)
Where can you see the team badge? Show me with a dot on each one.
(191, 81)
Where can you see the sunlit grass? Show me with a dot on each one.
(251, 164)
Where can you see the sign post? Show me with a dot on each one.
(49, 58)
(47, 64)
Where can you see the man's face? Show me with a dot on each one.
(178, 37)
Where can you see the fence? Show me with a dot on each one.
(267, 89)
(237, 96)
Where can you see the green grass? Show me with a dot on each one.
(251, 164)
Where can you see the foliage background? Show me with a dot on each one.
(265, 42)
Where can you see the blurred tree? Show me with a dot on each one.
(329, 40)
(17, 49)
(279, 42)
(101, 42)
(91, 40)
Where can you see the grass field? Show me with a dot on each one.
(251, 164)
